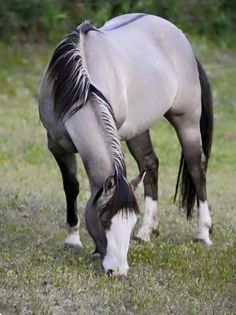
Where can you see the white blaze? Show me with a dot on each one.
(118, 239)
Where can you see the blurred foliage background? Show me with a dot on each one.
(37, 276)
(40, 20)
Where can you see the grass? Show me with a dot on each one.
(171, 275)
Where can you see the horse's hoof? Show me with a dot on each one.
(76, 248)
(95, 256)
(73, 242)
(211, 229)
(156, 232)
(208, 242)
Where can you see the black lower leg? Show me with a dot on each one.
(142, 150)
(67, 164)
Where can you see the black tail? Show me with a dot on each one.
(187, 188)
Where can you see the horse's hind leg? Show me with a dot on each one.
(142, 150)
(194, 176)
(67, 164)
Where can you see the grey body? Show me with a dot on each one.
(146, 69)
(143, 68)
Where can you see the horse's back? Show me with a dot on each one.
(144, 64)
(148, 37)
(156, 44)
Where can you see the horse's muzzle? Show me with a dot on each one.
(116, 274)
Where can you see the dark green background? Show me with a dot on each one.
(38, 20)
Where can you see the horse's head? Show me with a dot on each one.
(111, 227)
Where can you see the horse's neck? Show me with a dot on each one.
(88, 136)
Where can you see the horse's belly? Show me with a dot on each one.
(140, 120)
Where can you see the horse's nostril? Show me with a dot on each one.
(109, 272)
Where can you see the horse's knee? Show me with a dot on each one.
(151, 164)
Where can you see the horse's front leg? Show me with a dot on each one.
(142, 150)
(67, 164)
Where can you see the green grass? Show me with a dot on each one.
(171, 275)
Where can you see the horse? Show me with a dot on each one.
(109, 84)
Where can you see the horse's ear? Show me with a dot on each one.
(137, 180)
(109, 186)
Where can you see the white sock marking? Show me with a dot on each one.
(73, 238)
(204, 223)
(150, 219)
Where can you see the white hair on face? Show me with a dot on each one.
(118, 239)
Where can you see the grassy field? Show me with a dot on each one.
(171, 275)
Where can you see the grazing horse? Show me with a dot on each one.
(105, 85)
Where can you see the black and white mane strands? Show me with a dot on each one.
(71, 85)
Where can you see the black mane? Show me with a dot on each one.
(64, 70)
